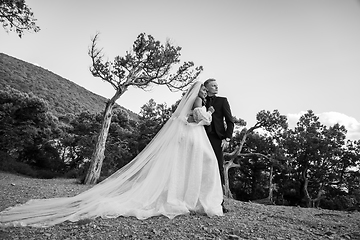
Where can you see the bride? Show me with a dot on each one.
(176, 173)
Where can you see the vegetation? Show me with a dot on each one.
(16, 15)
(311, 165)
(27, 131)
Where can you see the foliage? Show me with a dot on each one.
(249, 180)
(121, 144)
(149, 63)
(273, 125)
(27, 129)
(316, 152)
(152, 117)
(16, 15)
(77, 144)
(312, 165)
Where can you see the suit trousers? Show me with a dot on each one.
(216, 145)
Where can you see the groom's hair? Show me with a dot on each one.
(208, 81)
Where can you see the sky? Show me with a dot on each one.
(285, 55)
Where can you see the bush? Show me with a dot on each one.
(9, 164)
(46, 174)
(342, 202)
(74, 173)
(24, 169)
(6, 162)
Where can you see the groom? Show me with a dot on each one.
(218, 133)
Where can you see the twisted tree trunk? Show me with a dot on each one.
(312, 202)
(230, 164)
(271, 185)
(227, 166)
(98, 155)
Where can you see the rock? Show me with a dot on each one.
(234, 237)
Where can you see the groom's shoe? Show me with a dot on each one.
(225, 210)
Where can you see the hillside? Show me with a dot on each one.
(245, 220)
(62, 95)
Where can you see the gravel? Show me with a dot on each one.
(245, 220)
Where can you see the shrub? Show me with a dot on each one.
(6, 162)
(46, 174)
(342, 202)
(23, 168)
(74, 173)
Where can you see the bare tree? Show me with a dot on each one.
(148, 64)
(16, 15)
(272, 122)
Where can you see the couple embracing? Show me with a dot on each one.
(179, 171)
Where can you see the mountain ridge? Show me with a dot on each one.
(63, 96)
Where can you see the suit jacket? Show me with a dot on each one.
(222, 112)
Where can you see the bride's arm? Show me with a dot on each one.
(197, 103)
(201, 116)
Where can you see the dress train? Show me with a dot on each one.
(176, 173)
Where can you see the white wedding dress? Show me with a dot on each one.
(176, 173)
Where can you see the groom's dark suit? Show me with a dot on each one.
(217, 131)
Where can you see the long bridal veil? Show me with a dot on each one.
(175, 173)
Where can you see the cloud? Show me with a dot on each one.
(329, 119)
(350, 123)
(293, 118)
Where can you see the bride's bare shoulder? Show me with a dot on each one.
(197, 103)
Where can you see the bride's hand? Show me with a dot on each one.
(211, 109)
(190, 119)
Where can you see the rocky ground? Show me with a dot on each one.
(243, 221)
